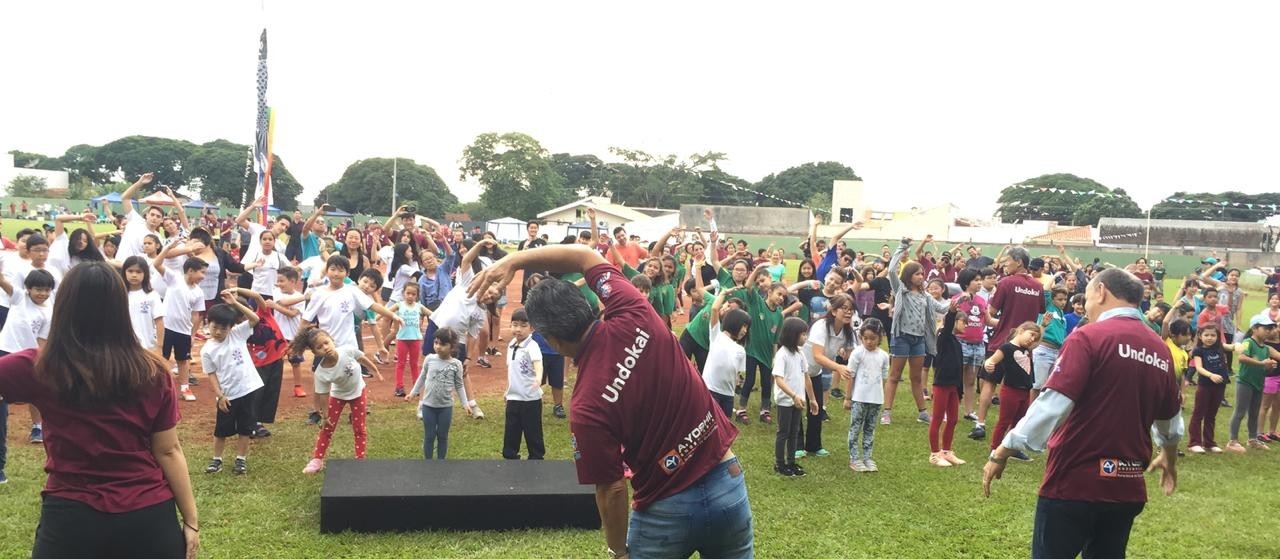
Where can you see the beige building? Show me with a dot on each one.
(848, 204)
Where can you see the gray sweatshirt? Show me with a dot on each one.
(437, 381)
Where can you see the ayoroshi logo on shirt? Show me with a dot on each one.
(1107, 467)
(670, 463)
(602, 285)
(690, 443)
(1117, 468)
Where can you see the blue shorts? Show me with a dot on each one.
(973, 354)
(907, 345)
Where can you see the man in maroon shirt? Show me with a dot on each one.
(639, 402)
(1110, 385)
(1018, 298)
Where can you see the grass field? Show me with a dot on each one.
(1224, 506)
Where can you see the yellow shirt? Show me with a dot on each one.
(1179, 357)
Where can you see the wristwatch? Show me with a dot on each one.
(626, 552)
(992, 458)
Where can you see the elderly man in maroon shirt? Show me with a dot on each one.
(1111, 390)
(639, 402)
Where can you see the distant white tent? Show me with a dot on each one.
(506, 229)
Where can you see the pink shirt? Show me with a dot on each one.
(639, 399)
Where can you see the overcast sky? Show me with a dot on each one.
(926, 101)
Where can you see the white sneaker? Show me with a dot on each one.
(1197, 449)
(937, 460)
(857, 466)
(477, 412)
(187, 395)
(885, 417)
(1215, 449)
(870, 465)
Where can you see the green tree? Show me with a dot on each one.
(1057, 197)
(217, 170)
(516, 174)
(646, 180)
(1221, 206)
(365, 187)
(476, 210)
(29, 160)
(28, 186)
(81, 161)
(1094, 208)
(132, 156)
(802, 182)
(80, 188)
(583, 175)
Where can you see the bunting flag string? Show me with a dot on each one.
(1213, 203)
(825, 211)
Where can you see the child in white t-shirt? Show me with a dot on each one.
(27, 326)
(793, 392)
(524, 392)
(726, 358)
(286, 304)
(337, 377)
(225, 358)
(183, 303)
(146, 308)
(869, 366)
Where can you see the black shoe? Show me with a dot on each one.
(837, 393)
(260, 432)
(366, 374)
(241, 466)
(314, 418)
(784, 470)
(1225, 403)
(1021, 456)
(558, 411)
(399, 392)
(193, 381)
(797, 471)
(978, 433)
(995, 400)
(214, 466)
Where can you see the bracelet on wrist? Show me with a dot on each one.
(190, 527)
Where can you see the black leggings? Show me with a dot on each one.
(73, 529)
(692, 349)
(749, 384)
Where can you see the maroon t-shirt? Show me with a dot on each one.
(1019, 298)
(97, 456)
(1117, 372)
(639, 399)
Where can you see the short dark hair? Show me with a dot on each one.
(792, 329)
(284, 217)
(733, 321)
(967, 276)
(36, 239)
(200, 234)
(642, 282)
(290, 273)
(1122, 284)
(339, 261)
(561, 311)
(194, 264)
(1205, 292)
(447, 336)
(223, 314)
(618, 229)
(1180, 327)
(988, 271)
(1163, 306)
(373, 275)
(520, 316)
(38, 278)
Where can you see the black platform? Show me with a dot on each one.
(403, 495)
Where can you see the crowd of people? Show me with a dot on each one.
(994, 331)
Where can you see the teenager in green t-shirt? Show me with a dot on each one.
(1256, 358)
(765, 308)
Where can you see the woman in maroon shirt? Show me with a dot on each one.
(116, 470)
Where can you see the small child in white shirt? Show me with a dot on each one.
(225, 358)
(337, 374)
(870, 367)
(524, 392)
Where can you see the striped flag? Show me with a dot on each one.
(263, 133)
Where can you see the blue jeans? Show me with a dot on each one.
(907, 345)
(435, 426)
(712, 517)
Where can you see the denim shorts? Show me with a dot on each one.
(973, 354)
(907, 345)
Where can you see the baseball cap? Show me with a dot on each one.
(1209, 260)
(1261, 320)
(1036, 264)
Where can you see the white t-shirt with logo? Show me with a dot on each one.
(264, 275)
(144, 309)
(230, 360)
(333, 310)
(522, 378)
(870, 369)
(457, 311)
(26, 323)
(288, 324)
(343, 380)
(135, 231)
(15, 270)
(725, 359)
(180, 301)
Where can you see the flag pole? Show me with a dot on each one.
(394, 161)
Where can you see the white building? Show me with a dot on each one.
(52, 179)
